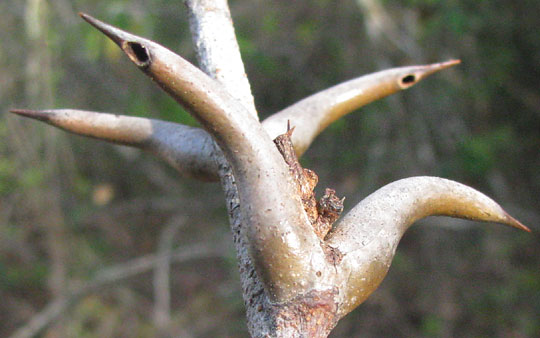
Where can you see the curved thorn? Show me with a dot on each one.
(368, 235)
(187, 149)
(204, 98)
(314, 113)
(286, 252)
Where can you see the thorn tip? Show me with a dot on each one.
(115, 34)
(445, 64)
(515, 223)
(452, 62)
(34, 114)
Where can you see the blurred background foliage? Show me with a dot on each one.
(72, 207)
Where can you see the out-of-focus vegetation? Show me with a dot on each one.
(71, 207)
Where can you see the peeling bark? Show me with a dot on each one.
(311, 315)
(323, 213)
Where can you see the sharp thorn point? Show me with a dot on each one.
(34, 114)
(516, 224)
(88, 18)
(452, 62)
(115, 34)
(429, 69)
(443, 65)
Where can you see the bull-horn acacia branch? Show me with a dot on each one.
(368, 235)
(287, 254)
(187, 149)
(278, 226)
(313, 114)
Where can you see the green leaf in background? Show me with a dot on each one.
(432, 325)
(480, 153)
(31, 177)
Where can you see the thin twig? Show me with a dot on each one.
(110, 276)
(162, 290)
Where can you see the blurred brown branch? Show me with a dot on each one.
(162, 289)
(112, 275)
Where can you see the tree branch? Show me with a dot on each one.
(368, 235)
(219, 57)
(255, 299)
(162, 274)
(313, 114)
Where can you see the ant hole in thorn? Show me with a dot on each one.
(139, 53)
(408, 79)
